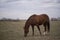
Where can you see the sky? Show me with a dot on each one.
(23, 9)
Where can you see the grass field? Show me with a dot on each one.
(14, 31)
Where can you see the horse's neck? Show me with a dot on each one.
(27, 26)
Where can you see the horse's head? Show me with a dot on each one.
(26, 30)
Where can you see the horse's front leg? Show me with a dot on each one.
(32, 30)
(39, 29)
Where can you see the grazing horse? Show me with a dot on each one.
(36, 20)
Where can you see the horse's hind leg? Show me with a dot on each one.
(44, 27)
(39, 29)
(33, 30)
(45, 30)
(48, 26)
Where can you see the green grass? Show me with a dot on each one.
(14, 31)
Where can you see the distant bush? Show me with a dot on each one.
(55, 19)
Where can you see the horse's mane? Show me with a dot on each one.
(31, 16)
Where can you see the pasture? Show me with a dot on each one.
(11, 30)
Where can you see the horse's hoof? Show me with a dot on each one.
(45, 33)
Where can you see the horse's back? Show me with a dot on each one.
(41, 17)
(38, 19)
(44, 17)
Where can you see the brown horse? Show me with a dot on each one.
(36, 20)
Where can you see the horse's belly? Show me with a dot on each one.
(36, 23)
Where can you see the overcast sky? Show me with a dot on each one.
(22, 9)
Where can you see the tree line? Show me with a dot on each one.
(9, 19)
(55, 19)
